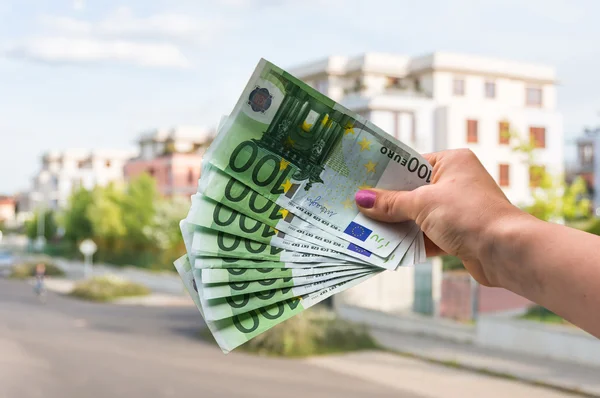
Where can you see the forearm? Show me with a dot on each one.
(555, 266)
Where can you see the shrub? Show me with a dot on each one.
(107, 288)
(451, 263)
(594, 228)
(312, 332)
(27, 270)
(542, 314)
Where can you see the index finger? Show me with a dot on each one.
(431, 157)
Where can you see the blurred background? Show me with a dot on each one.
(106, 108)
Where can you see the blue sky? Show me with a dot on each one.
(94, 73)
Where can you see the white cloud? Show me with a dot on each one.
(153, 41)
(90, 50)
(123, 24)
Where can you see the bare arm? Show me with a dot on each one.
(464, 213)
(552, 265)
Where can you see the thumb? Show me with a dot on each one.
(387, 206)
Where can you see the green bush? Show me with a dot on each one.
(542, 314)
(312, 332)
(594, 228)
(451, 263)
(27, 270)
(107, 288)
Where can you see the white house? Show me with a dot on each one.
(63, 171)
(444, 101)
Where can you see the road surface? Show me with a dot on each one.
(73, 349)
(69, 348)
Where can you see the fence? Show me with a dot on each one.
(463, 299)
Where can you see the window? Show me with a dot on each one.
(490, 89)
(190, 176)
(537, 137)
(503, 175)
(536, 173)
(472, 131)
(586, 154)
(503, 133)
(458, 87)
(533, 96)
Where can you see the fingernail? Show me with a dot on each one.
(365, 199)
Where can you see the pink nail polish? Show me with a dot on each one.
(365, 199)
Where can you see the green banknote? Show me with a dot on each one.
(227, 307)
(227, 191)
(217, 290)
(226, 262)
(186, 273)
(207, 242)
(237, 330)
(247, 274)
(207, 213)
(310, 155)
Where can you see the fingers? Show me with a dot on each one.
(431, 157)
(431, 249)
(387, 206)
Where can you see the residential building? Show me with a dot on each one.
(173, 157)
(7, 209)
(64, 171)
(587, 165)
(444, 101)
(23, 207)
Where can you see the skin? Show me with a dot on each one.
(464, 213)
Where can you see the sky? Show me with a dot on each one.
(96, 73)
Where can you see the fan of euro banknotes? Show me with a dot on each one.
(274, 228)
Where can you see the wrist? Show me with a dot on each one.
(503, 241)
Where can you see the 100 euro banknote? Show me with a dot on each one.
(209, 242)
(230, 333)
(212, 215)
(227, 307)
(226, 190)
(310, 155)
(217, 290)
(227, 262)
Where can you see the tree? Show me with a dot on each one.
(76, 218)
(139, 208)
(553, 198)
(164, 231)
(106, 215)
(50, 227)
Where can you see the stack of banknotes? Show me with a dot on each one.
(274, 228)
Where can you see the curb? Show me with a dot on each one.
(493, 373)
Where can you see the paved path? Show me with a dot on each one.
(68, 348)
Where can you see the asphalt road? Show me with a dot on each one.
(68, 348)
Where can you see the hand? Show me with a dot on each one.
(458, 211)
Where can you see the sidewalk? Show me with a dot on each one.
(425, 379)
(552, 373)
(560, 375)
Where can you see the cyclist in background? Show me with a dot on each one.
(40, 272)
